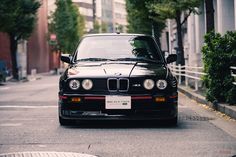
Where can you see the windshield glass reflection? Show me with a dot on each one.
(99, 48)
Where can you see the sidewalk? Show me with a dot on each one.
(29, 78)
(224, 108)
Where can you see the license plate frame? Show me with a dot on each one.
(118, 102)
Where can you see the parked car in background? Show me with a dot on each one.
(118, 77)
(4, 72)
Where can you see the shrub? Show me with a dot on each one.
(219, 53)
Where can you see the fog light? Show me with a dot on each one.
(76, 99)
(160, 99)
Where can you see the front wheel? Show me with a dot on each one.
(66, 122)
(173, 121)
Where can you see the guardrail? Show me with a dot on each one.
(233, 73)
(195, 73)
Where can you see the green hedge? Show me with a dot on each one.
(219, 53)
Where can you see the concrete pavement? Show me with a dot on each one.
(223, 108)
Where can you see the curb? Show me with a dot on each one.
(223, 108)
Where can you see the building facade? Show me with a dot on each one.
(86, 9)
(113, 14)
(119, 16)
(38, 53)
(109, 13)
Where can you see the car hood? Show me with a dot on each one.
(117, 69)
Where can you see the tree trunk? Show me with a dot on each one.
(13, 49)
(180, 50)
(209, 15)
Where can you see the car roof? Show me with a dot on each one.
(114, 34)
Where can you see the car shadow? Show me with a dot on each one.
(119, 124)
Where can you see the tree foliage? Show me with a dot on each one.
(18, 18)
(104, 27)
(81, 24)
(169, 9)
(174, 9)
(68, 25)
(142, 19)
(96, 27)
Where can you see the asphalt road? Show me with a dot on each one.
(29, 122)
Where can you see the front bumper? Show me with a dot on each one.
(143, 107)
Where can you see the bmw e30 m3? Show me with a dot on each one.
(117, 77)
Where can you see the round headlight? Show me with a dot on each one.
(87, 84)
(161, 84)
(74, 84)
(148, 84)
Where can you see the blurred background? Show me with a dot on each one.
(33, 33)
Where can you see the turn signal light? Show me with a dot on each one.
(76, 99)
(160, 99)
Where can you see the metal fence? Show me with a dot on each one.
(194, 73)
(233, 73)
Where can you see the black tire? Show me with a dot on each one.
(66, 122)
(173, 121)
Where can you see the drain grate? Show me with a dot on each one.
(45, 154)
(195, 118)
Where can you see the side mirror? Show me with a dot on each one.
(66, 58)
(171, 58)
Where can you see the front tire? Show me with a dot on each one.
(66, 122)
(173, 121)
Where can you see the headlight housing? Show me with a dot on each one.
(74, 84)
(161, 84)
(87, 84)
(148, 84)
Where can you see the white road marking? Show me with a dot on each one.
(42, 146)
(10, 124)
(31, 107)
(4, 88)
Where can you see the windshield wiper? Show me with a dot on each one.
(139, 59)
(92, 59)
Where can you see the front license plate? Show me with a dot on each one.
(118, 102)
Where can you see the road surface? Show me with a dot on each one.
(29, 122)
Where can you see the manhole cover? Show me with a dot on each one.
(45, 154)
(195, 118)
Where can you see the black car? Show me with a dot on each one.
(117, 77)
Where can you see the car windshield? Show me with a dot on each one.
(101, 48)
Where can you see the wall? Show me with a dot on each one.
(5, 49)
(38, 50)
(225, 16)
